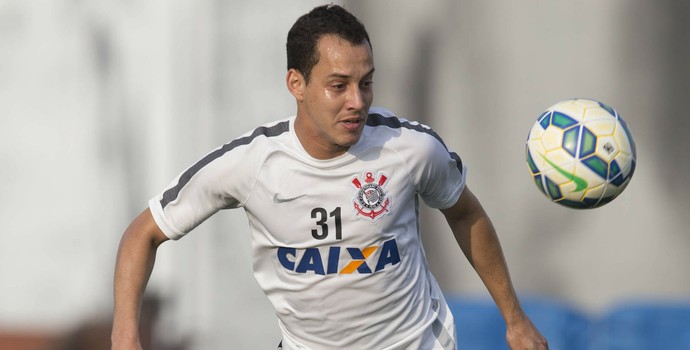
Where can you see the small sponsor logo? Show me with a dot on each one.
(580, 183)
(278, 199)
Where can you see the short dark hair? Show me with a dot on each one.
(302, 53)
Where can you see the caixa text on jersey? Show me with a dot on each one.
(327, 261)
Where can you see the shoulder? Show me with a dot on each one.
(261, 137)
(246, 151)
(261, 133)
(381, 120)
(417, 143)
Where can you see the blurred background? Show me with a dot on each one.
(103, 103)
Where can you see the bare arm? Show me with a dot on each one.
(477, 238)
(135, 259)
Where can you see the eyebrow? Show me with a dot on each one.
(345, 76)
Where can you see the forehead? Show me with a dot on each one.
(336, 51)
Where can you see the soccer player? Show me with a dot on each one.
(332, 197)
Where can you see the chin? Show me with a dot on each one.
(350, 142)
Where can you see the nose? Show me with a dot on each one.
(355, 98)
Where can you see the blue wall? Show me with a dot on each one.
(633, 325)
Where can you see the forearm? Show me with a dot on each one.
(478, 240)
(480, 244)
(135, 260)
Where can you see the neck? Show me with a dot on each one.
(313, 144)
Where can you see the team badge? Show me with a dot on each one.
(371, 200)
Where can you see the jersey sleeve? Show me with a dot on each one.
(440, 174)
(223, 179)
(196, 194)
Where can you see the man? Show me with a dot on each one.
(332, 198)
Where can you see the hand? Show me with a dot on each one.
(523, 335)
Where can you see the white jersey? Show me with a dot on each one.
(336, 243)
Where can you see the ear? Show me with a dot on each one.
(295, 83)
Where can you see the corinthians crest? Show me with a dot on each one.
(371, 200)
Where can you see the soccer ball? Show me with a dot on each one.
(581, 153)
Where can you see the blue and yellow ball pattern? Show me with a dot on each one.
(580, 153)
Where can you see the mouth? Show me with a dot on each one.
(352, 123)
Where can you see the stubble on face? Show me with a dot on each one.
(332, 108)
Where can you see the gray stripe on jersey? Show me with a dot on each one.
(442, 335)
(271, 131)
(395, 123)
